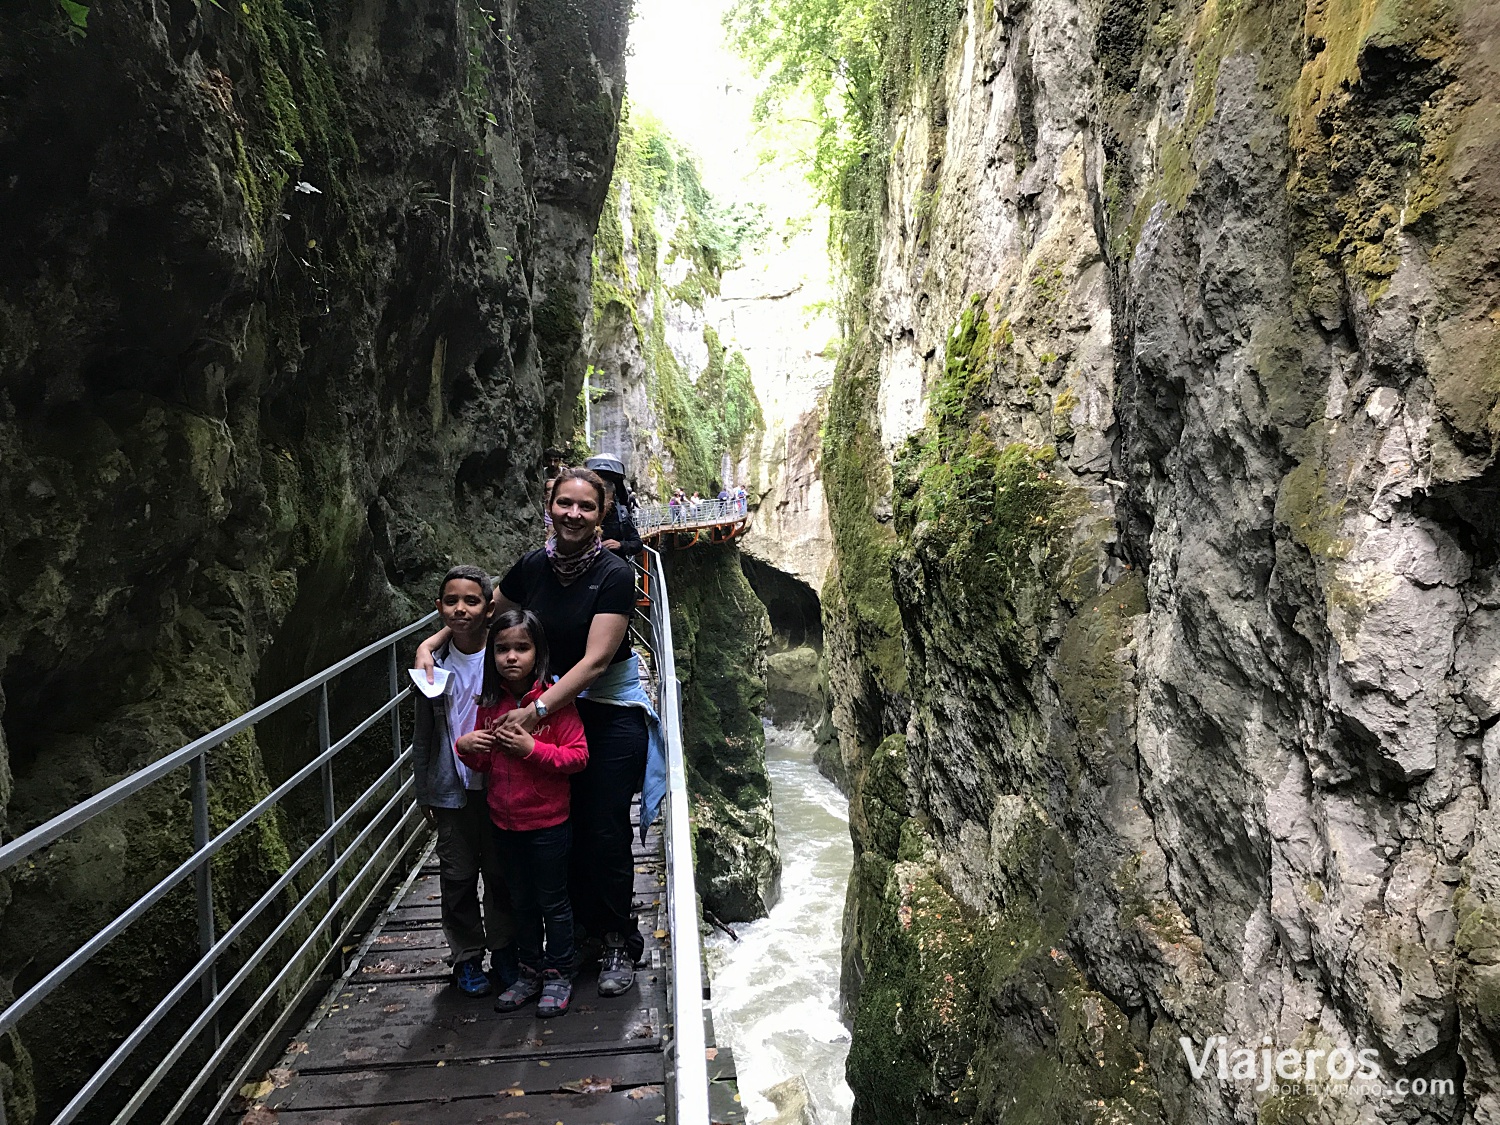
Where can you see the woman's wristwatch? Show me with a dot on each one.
(541, 708)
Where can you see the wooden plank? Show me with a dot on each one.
(406, 1002)
(393, 939)
(343, 1043)
(399, 1046)
(398, 1085)
(646, 1107)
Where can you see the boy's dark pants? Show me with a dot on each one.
(466, 852)
(603, 867)
(536, 870)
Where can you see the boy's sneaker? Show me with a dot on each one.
(586, 951)
(470, 979)
(526, 988)
(557, 992)
(616, 968)
(504, 967)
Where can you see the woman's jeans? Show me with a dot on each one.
(602, 877)
(536, 870)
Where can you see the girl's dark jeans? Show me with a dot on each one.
(536, 870)
(603, 875)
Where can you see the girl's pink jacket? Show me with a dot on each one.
(530, 793)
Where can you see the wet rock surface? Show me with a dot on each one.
(1191, 567)
(291, 298)
(720, 631)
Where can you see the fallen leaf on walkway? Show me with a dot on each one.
(542, 1062)
(511, 1092)
(660, 934)
(590, 1085)
(711, 1054)
(393, 1008)
(643, 1092)
(260, 1115)
(254, 1091)
(281, 1076)
(296, 1048)
(517, 1114)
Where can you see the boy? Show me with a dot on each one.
(452, 796)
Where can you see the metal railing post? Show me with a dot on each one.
(330, 814)
(204, 878)
(394, 680)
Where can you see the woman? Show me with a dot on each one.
(584, 596)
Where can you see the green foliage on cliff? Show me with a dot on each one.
(297, 120)
(850, 62)
(850, 59)
(991, 517)
(702, 420)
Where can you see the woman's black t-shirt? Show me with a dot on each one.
(567, 612)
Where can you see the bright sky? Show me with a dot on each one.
(682, 71)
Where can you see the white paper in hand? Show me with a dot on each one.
(439, 685)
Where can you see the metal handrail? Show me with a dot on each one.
(689, 1044)
(198, 866)
(81, 813)
(690, 515)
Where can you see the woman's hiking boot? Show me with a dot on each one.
(526, 988)
(616, 968)
(470, 978)
(557, 993)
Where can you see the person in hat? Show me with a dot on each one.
(620, 534)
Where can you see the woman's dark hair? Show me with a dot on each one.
(494, 689)
(589, 477)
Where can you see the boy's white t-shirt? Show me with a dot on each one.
(463, 705)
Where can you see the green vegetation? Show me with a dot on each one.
(716, 415)
(297, 114)
(78, 16)
(849, 63)
(989, 516)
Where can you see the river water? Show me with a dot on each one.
(776, 990)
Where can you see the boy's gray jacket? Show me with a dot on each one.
(436, 781)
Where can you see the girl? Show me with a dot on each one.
(529, 804)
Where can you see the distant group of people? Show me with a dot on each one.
(533, 734)
(683, 508)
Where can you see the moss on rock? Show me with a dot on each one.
(720, 630)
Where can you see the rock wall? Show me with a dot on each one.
(291, 298)
(1163, 621)
(721, 632)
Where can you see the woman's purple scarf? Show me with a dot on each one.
(569, 568)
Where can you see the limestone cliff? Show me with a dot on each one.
(291, 298)
(1165, 635)
(776, 308)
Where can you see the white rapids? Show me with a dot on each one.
(776, 990)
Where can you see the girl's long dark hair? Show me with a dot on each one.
(494, 689)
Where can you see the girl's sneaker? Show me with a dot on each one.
(527, 987)
(557, 993)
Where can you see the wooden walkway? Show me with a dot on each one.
(395, 1044)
